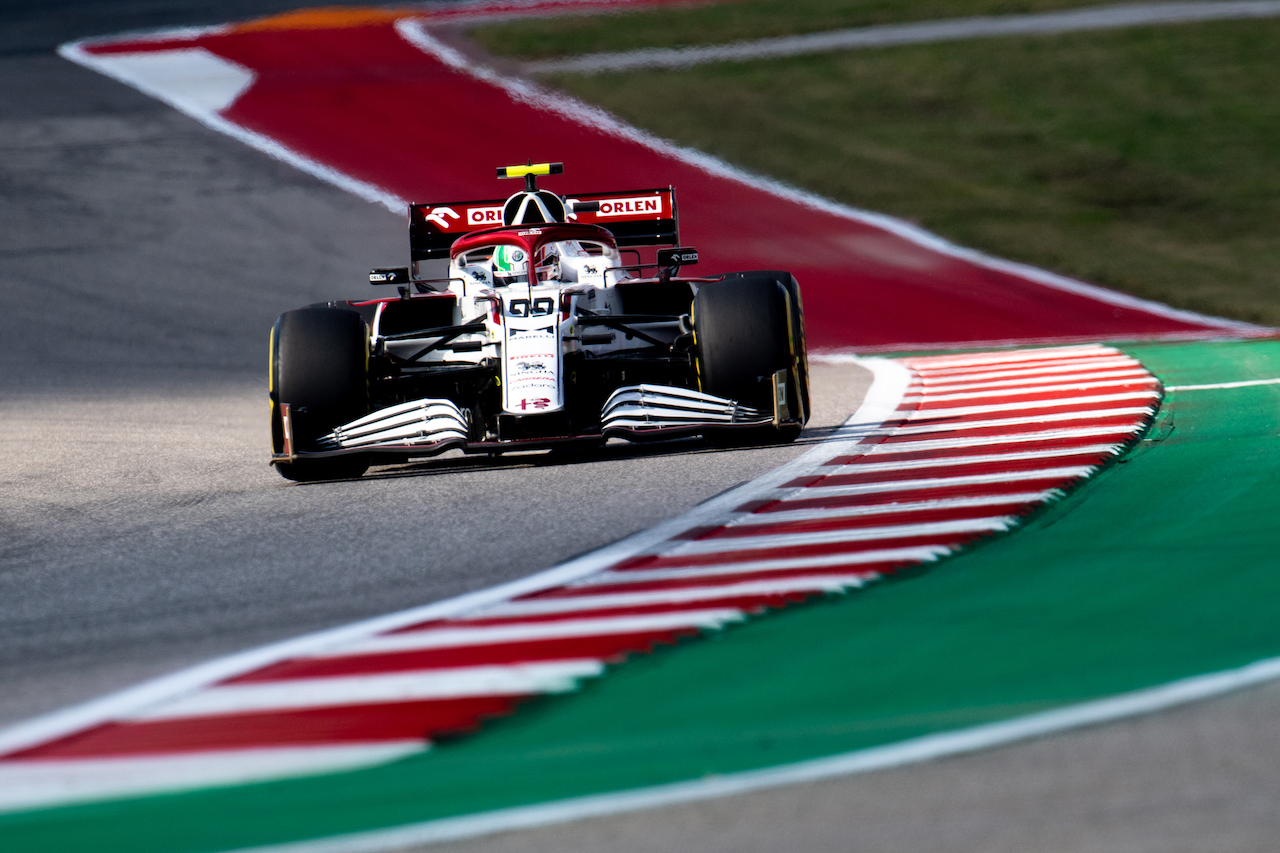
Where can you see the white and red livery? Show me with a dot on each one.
(549, 325)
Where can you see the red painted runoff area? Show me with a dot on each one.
(366, 97)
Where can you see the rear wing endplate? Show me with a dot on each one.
(634, 217)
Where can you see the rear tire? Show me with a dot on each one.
(742, 330)
(319, 366)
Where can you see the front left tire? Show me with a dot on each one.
(319, 366)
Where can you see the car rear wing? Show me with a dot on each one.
(634, 217)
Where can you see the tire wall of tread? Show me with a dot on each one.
(799, 350)
(319, 362)
(273, 359)
(727, 302)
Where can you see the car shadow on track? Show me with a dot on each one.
(558, 457)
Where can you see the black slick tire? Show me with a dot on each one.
(799, 401)
(319, 366)
(742, 328)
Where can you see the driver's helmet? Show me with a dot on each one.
(509, 266)
(546, 263)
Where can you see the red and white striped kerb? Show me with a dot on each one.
(966, 447)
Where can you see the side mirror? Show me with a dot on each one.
(576, 206)
(394, 275)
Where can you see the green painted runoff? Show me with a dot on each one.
(1161, 567)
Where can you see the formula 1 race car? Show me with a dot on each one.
(546, 330)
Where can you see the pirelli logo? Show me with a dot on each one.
(650, 205)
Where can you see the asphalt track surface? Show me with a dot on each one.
(144, 257)
(143, 530)
(1195, 779)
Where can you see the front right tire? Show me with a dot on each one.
(744, 332)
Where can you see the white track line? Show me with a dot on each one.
(1059, 474)
(782, 586)
(746, 569)
(1004, 391)
(1029, 499)
(34, 783)
(1222, 385)
(765, 541)
(735, 570)
(958, 426)
(796, 565)
(916, 553)
(1011, 438)
(449, 683)
(914, 751)
(927, 32)
(939, 379)
(1032, 405)
(974, 459)
(1019, 385)
(456, 637)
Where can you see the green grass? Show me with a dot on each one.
(1144, 159)
(716, 23)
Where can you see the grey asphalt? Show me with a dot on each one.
(1200, 779)
(142, 260)
(31, 27)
